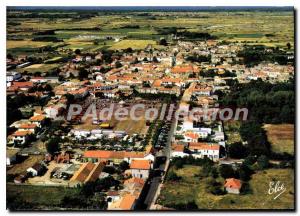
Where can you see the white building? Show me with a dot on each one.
(178, 151)
(201, 150)
(140, 168)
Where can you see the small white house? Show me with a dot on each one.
(178, 151)
(140, 168)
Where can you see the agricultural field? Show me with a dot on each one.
(134, 44)
(267, 28)
(192, 188)
(281, 137)
(43, 68)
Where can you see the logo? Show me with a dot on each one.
(276, 188)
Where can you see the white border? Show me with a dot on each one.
(109, 3)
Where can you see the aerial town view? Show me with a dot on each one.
(150, 108)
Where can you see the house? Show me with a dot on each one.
(129, 197)
(233, 185)
(140, 168)
(88, 172)
(218, 136)
(54, 111)
(12, 76)
(191, 137)
(116, 157)
(126, 202)
(201, 150)
(23, 86)
(37, 169)
(21, 137)
(178, 151)
(28, 127)
(38, 120)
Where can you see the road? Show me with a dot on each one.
(156, 182)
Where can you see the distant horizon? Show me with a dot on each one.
(155, 8)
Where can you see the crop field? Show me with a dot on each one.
(192, 188)
(134, 44)
(267, 28)
(43, 68)
(281, 137)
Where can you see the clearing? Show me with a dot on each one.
(281, 137)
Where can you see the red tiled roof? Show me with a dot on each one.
(177, 148)
(103, 154)
(140, 164)
(233, 183)
(192, 135)
(127, 202)
(182, 69)
(37, 118)
(28, 126)
(21, 133)
(203, 146)
(23, 84)
(135, 180)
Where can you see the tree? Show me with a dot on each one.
(263, 162)
(47, 87)
(9, 56)
(245, 172)
(163, 42)
(128, 50)
(82, 74)
(249, 160)
(118, 64)
(214, 173)
(214, 187)
(154, 59)
(206, 169)
(237, 150)
(226, 171)
(77, 52)
(52, 145)
(172, 176)
(124, 166)
(178, 164)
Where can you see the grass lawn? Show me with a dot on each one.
(134, 44)
(191, 188)
(281, 137)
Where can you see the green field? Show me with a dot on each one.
(256, 27)
(192, 188)
(39, 197)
